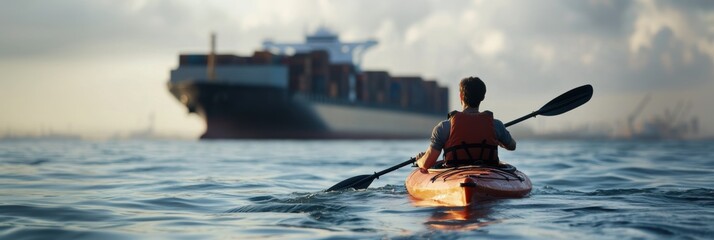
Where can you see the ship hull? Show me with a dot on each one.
(234, 111)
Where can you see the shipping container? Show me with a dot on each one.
(226, 59)
(193, 59)
(395, 92)
(412, 93)
(262, 57)
(320, 62)
(220, 59)
(443, 99)
(360, 87)
(377, 85)
(300, 73)
(340, 80)
(431, 103)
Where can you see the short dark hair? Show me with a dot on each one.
(474, 91)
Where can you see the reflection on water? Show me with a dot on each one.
(461, 218)
(457, 218)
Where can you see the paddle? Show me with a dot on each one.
(561, 104)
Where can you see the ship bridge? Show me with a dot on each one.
(325, 39)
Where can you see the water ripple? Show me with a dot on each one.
(59, 214)
(246, 190)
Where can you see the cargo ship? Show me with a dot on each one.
(310, 90)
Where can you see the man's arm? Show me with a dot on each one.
(504, 137)
(510, 146)
(428, 159)
(438, 138)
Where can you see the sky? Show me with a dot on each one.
(99, 68)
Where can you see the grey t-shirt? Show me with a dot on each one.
(442, 130)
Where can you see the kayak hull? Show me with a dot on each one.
(466, 185)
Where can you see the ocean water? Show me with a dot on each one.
(51, 189)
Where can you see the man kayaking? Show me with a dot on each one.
(469, 137)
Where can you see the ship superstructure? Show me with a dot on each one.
(324, 39)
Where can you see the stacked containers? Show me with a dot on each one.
(229, 59)
(300, 75)
(193, 59)
(360, 87)
(320, 63)
(430, 88)
(338, 84)
(262, 57)
(412, 93)
(409, 93)
(376, 87)
(311, 73)
(395, 92)
(442, 97)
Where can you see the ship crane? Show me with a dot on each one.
(677, 127)
(631, 118)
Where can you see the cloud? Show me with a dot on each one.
(491, 44)
(633, 44)
(71, 27)
(669, 46)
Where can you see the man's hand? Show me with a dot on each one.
(416, 159)
(428, 159)
(419, 155)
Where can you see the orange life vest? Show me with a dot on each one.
(472, 140)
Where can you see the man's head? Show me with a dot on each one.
(472, 91)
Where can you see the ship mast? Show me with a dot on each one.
(211, 68)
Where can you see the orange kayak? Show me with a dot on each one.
(462, 186)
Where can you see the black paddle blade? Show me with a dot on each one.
(363, 181)
(356, 182)
(567, 101)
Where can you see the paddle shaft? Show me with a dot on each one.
(385, 171)
(521, 119)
